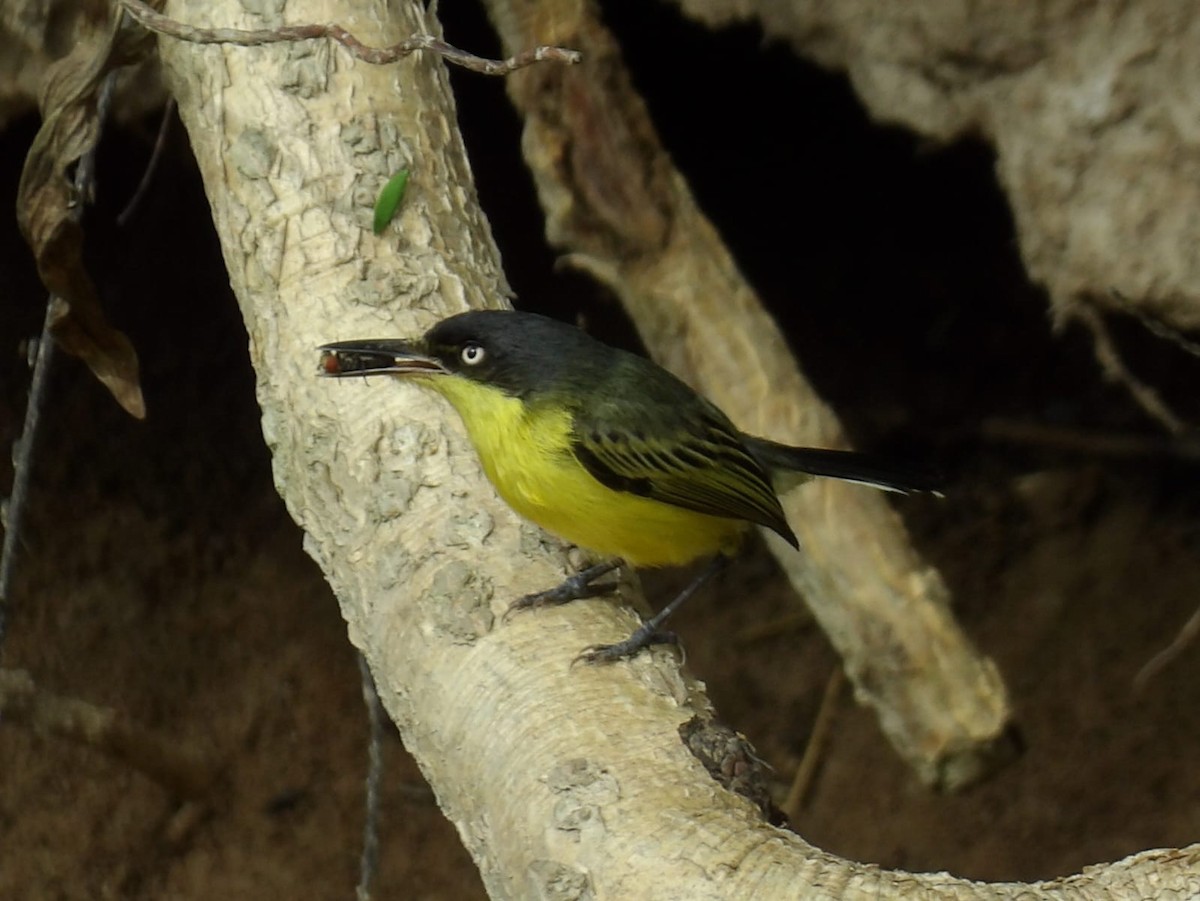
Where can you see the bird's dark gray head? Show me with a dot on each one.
(520, 353)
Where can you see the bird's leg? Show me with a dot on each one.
(573, 588)
(650, 631)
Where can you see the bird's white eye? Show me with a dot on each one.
(472, 354)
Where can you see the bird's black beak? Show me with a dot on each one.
(377, 356)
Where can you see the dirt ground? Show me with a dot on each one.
(161, 576)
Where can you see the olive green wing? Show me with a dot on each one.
(692, 459)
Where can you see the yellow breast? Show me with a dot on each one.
(526, 453)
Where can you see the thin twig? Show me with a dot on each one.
(817, 740)
(157, 22)
(1114, 367)
(369, 862)
(1154, 326)
(1159, 662)
(41, 359)
(160, 143)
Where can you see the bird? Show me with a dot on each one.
(606, 449)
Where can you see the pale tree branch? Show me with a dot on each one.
(562, 782)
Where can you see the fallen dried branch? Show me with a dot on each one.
(168, 762)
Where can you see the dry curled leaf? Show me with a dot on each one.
(48, 207)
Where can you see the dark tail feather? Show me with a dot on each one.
(848, 466)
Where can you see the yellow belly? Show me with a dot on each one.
(526, 455)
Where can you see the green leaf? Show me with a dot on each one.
(389, 199)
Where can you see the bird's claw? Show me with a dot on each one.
(623, 650)
(574, 588)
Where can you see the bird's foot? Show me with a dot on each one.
(576, 587)
(642, 638)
